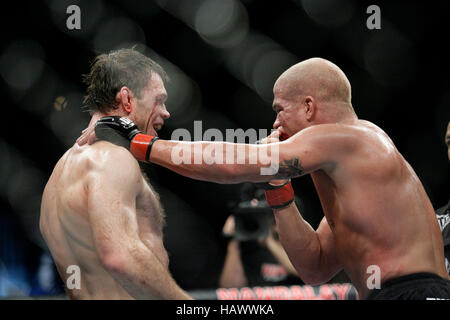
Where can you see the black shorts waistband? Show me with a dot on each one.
(410, 277)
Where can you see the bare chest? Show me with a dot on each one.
(149, 210)
(328, 197)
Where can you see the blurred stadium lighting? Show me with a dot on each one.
(115, 33)
(268, 68)
(6, 166)
(258, 62)
(184, 95)
(183, 10)
(140, 9)
(25, 188)
(67, 123)
(253, 58)
(22, 186)
(390, 58)
(328, 13)
(21, 65)
(40, 97)
(221, 23)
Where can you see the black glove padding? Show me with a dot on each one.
(117, 130)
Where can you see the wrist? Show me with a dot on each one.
(280, 197)
(141, 145)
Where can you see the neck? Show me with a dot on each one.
(340, 114)
(95, 117)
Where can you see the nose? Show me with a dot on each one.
(276, 124)
(165, 114)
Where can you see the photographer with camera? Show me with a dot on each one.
(254, 255)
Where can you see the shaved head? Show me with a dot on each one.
(318, 78)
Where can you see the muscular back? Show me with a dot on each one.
(377, 209)
(71, 230)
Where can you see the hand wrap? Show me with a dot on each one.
(124, 132)
(278, 197)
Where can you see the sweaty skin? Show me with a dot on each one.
(99, 213)
(377, 212)
(376, 209)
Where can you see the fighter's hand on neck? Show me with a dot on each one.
(87, 136)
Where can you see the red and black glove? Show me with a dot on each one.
(281, 196)
(124, 132)
(278, 197)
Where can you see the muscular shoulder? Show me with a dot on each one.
(328, 146)
(105, 159)
(329, 138)
(101, 154)
(347, 137)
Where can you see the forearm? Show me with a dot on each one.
(219, 162)
(143, 275)
(300, 242)
(280, 254)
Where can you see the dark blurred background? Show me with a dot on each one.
(223, 57)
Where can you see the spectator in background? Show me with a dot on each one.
(443, 213)
(254, 255)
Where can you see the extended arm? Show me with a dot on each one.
(241, 162)
(223, 162)
(112, 213)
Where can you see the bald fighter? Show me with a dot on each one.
(379, 225)
(98, 211)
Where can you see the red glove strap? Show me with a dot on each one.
(139, 146)
(281, 197)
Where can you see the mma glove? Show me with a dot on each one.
(278, 197)
(124, 132)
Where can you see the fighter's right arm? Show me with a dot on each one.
(312, 252)
(113, 185)
(307, 151)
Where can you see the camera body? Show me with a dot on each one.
(253, 220)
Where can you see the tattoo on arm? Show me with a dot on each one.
(290, 168)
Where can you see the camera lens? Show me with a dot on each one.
(250, 225)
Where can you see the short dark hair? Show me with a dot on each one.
(111, 71)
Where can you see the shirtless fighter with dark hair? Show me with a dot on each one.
(98, 211)
(377, 213)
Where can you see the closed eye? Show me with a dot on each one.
(161, 98)
(277, 108)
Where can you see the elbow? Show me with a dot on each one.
(313, 280)
(317, 278)
(112, 259)
(114, 263)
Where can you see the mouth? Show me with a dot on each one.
(157, 127)
(283, 134)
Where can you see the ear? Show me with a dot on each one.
(125, 99)
(310, 107)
